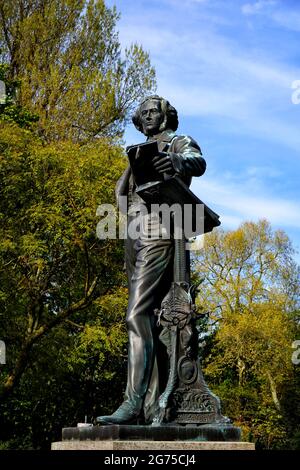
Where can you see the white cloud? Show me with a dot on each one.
(201, 55)
(257, 7)
(263, 172)
(237, 202)
(203, 73)
(210, 64)
(186, 2)
(231, 221)
(288, 19)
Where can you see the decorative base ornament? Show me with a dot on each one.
(186, 398)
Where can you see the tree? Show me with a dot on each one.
(75, 371)
(249, 265)
(52, 264)
(251, 289)
(62, 294)
(67, 58)
(9, 111)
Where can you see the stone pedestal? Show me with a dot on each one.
(161, 446)
(160, 438)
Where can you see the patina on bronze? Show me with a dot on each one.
(164, 382)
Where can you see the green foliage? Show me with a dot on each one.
(72, 73)
(70, 89)
(9, 111)
(60, 319)
(251, 289)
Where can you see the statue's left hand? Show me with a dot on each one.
(163, 163)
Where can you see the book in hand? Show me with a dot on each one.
(141, 161)
(154, 188)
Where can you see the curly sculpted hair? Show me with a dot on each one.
(170, 120)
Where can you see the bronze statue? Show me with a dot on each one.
(149, 262)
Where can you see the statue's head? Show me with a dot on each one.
(154, 115)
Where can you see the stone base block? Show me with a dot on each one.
(167, 432)
(214, 436)
(161, 446)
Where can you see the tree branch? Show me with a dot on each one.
(22, 361)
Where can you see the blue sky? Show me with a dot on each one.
(228, 68)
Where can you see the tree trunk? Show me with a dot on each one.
(14, 378)
(274, 392)
(22, 361)
(241, 370)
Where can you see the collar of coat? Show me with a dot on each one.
(165, 136)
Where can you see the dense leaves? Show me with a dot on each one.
(9, 110)
(69, 90)
(67, 56)
(57, 278)
(251, 288)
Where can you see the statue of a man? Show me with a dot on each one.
(149, 261)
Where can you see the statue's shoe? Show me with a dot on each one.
(125, 414)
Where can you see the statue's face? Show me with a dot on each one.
(151, 117)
